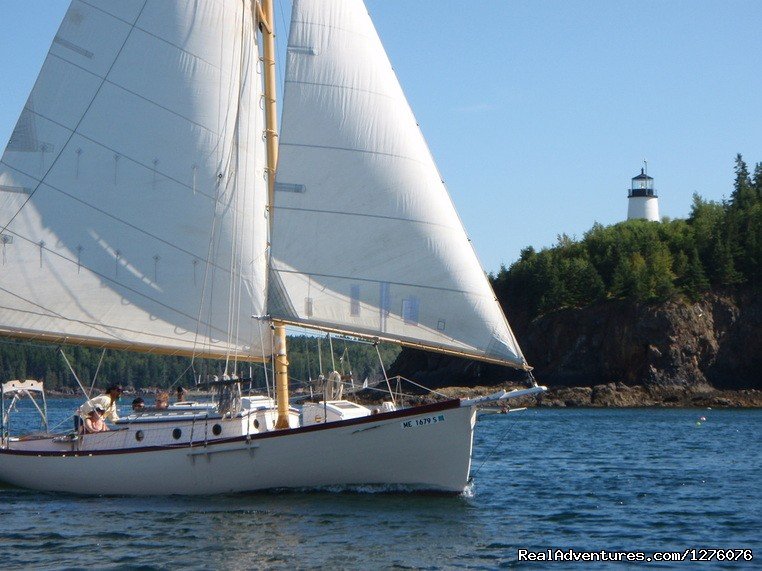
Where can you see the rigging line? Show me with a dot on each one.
(330, 345)
(432, 391)
(272, 359)
(76, 378)
(82, 117)
(49, 312)
(383, 369)
(55, 427)
(231, 89)
(246, 80)
(309, 364)
(264, 361)
(234, 287)
(494, 448)
(320, 357)
(98, 368)
(180, 376)
(101, 276)
(221, 186)
(281, 58)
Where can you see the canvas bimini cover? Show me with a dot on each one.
(133, 190)
(365, 236)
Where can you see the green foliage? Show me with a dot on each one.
(720, 244)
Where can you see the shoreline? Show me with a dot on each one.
(610, 395)
(619, 395)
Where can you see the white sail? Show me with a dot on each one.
(132, 191)
(365, 236)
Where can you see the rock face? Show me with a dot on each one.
(715, 342)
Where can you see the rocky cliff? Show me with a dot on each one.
(714, 342)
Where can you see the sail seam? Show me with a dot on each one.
(354, 150)
(344, 87)
(365, 215)
(134, 25)
(106, 278)
(84, 114)
(48, 314)
(138, 95)
(94, 326)
(102, 11)
(329, 27)
(115, 218)
(370, 280)
(129, 158)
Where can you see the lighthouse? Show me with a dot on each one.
(642, 202)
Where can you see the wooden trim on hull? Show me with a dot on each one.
(414, 411)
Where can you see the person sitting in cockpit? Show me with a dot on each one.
(94, 421)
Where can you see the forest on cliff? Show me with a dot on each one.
(718, 245)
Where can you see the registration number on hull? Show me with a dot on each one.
(426, 421)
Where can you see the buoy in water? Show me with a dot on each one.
(702, 419)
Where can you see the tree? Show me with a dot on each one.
(660, 275)
(744, 194)
(694, 281)
(724, 270)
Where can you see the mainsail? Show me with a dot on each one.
(365, 236)
(133, 189)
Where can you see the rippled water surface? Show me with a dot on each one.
(645, 479)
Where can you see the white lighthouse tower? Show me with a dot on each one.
(642, 200)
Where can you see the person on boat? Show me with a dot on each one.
(138, 405)
(94, 422)
(107, 401)
(162, 400)
(180, 394)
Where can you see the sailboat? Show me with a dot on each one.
(148, 203)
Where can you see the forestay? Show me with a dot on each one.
(132, 191)
(365, 236)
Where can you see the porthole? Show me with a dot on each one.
(216, 430)
(139, 435)
(177, 433)
(256, 423)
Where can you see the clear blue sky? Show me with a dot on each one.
(538, 112)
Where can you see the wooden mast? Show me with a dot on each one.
(266, 18)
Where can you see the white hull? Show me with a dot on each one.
(423, 448)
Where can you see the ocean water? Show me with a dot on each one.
(615, 480)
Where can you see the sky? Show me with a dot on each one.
(537, 112)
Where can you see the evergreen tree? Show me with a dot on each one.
(660, 275)
(694, 281)
(724, 270)
(744, 194)
(757, 182)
